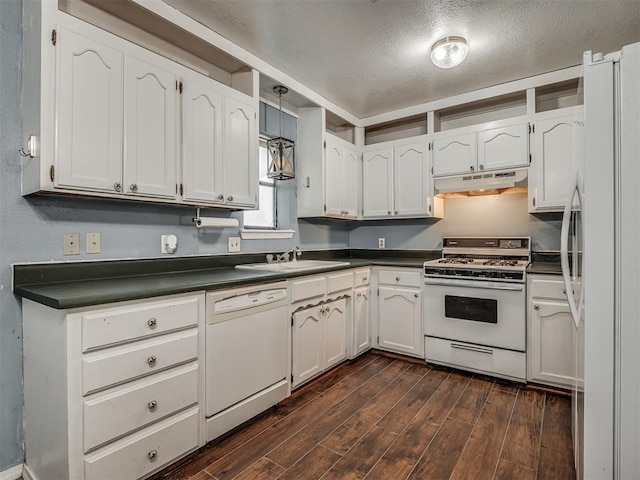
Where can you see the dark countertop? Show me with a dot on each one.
(81, 284)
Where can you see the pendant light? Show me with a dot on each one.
(281, 150)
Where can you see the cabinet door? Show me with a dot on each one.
(202, 144)
(377, 174)
(240, 161)
(504, 147)
(454, 154)
(89, 114)
(558, 143)
(361, 324)
(400, 320)
(335, 332)
(334, 180)
(307, 344)
(150, 124)
(350, 187)
(411, 173)
(552, 343)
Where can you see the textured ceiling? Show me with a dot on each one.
(372, 56)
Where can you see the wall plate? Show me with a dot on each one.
(92, 244)
(71, 244)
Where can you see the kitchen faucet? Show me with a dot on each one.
(284, 257)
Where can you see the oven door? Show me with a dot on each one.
(480, 312)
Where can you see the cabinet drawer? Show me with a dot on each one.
(400, 277)
(136, 321)
(548, 288)
(119, 364)
(139, 454)
(308, 288)
(362, 277)
(494, 361)
(112, 415)
(339, 281)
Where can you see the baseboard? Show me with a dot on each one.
(13, 473)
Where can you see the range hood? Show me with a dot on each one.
(482, 183)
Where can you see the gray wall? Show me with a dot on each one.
(31, 230)
(499, 215)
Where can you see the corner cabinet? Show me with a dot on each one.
(551, 349)
(110, 124)
(558, 150)
(493, 146)
(396, 181)
(400, 311)
(120, 383)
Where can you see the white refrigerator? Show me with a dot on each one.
(606, 413)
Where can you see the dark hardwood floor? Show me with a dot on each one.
(384, 418)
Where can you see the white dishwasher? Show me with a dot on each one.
(247, 354)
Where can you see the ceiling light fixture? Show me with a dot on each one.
(449, 52)
(281, 150)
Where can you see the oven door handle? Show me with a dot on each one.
(515, 287)
(472, 349)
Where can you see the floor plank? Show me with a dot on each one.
(381, 417)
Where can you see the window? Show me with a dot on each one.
(265, 217)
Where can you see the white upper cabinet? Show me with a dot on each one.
(350, 191)
(396, 181)
(240, 175)
(377, 183)
(202, 140)
(89, 99)
(494, 146)
(558, 145)
(505, 147)
(334, 183)
(150, 127)
(454, 154)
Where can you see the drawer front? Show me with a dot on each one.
(112, 415)
(119, 325)
(362, 277)
(552, 288)
(337, 282)
(400, 277)
(119, 364)
(139, 454)
(493, 361)
(308, 288)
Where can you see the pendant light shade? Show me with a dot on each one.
(281, 150)
(449, 52)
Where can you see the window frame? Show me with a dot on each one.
(264, 182)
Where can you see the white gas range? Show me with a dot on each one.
(475, 305)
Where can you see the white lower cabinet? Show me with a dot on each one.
(551, 332)
(121, 383)
(400, 311)
(361, 322)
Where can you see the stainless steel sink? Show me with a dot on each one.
(296, 266)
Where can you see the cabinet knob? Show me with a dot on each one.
(152, 322)
(396, 212)
(536, 307)
(151, 360)
(230, 198)
(388, 212)
(133, 187)
(481, 167)
(364, 279)
(152, 454)
(534, 201)
(117, 187)
(416, 295)
(220, 197)
(397, 279)
(152, 405)
(359, 295)
(472, 168)
(564, 291)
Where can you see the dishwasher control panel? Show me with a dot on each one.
(247, 300)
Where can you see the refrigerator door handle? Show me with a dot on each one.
(576, 309)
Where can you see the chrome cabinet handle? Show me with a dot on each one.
(151, 361)
(220, 197)
(117, 187)
(534, 201)
(536, 307)
(230, 198)
(152, 322)
(133, 187)
(472, 168)
(152, 454)
(429, 208)
(152, 405)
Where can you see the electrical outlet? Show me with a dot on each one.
(381, 243)
(93, 243)
(71, 244)
(234, 244)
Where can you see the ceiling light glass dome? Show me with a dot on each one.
(449, 52)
